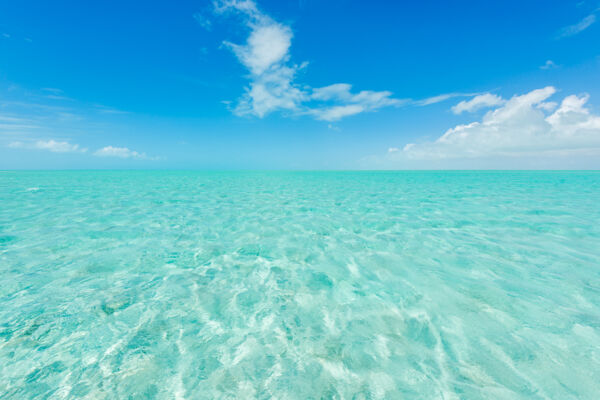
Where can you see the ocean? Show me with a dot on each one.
(299, 285)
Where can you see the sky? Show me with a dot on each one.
(302, 84)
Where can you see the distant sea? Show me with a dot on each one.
(299, 285)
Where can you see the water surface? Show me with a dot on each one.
(372, 285)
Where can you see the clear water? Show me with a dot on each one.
(195, 285)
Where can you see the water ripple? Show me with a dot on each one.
(299, 285)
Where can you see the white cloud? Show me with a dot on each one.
(265, 54)
(267, 46)
(58, 147)
(337, 91)
(477, 102)
(247, 7)
(574, 29)
(442, 97)
(49, 145)
(335, 113)
(270, 92)
(524, 126)
(549, 64)
(272, 87)
(547, 105)
(367, 98)
(121, 152)
(352, 103)
(66, 147)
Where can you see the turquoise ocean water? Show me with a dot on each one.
(304, 285)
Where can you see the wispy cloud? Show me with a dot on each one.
(549, 64)
(477, 103)
(349, 103)
(26, 115)
(109, 110)
(122, 152)
(5, 118)
(441, 97)
(11, 125)
(30, 120)
(580, 26)
(55, 94)
(15, 122)
(8, 36)
(52, 90)
(49, 145)
(203, 21)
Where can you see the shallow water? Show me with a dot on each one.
(300, 285)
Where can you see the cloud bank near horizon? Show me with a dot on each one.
(59, 146)
(526, 125)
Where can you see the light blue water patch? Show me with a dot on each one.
(369, 285)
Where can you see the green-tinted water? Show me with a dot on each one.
(300, 285)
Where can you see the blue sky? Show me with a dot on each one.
(299, 84)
